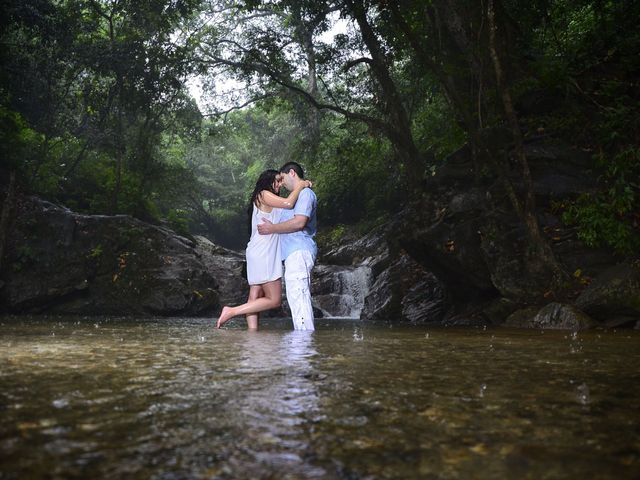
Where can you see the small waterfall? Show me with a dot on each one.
(340, 291)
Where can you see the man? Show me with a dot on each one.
(297, 228)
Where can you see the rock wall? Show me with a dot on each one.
(59, 261)
(457, 256)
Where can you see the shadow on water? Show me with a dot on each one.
(175, 398)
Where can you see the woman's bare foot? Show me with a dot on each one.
(225, 316)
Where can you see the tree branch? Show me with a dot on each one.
(239, 107)
(352, 63)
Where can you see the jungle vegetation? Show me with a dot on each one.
(370, 96)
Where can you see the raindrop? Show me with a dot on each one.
(483, 387)
(358, 336)
(60, 403)
(583, 394)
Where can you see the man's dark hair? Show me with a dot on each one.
(296, 168)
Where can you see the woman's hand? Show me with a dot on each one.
(303, 184)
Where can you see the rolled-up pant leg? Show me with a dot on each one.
(297, 277)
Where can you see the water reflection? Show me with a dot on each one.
(175, 398)
(275, 407)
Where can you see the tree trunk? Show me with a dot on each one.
(6, 215)
(399, 131)
(542, 250)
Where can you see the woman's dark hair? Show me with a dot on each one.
(265, 182)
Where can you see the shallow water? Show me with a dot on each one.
(174, 398)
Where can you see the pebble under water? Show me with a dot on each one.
(175, 398)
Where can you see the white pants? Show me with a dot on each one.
(297, 278)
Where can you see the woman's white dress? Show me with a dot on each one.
(264, 262)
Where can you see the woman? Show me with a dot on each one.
(264, 263)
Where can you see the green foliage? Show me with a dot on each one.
(435, 131)
(179, 221)
(610, 217)
(599, 223)
(331, 237)
(99, 93)
(94, 112)
(96, 252)
(17, 140)
(353, 174)
(585, 53)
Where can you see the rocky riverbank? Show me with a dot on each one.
(456, 257)
(59, 261)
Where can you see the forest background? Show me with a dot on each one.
(372, 97)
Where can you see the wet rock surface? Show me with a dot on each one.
(555, 316)
(406, 291)
(614, 296)
(457, 256)
(62, 262)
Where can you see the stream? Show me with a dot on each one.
(173, 398)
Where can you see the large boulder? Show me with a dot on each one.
(554, 316)
(373, 250)
(444, 235)
(63, 262)
(228, 267)
(405, 291)
(513, 271)
(559, 170)
(614, 296)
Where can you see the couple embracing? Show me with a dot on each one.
(282, 229)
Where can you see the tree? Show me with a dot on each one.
(103, 81)
(261, 49)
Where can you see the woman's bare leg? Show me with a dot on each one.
(255, 292)
(272, 299)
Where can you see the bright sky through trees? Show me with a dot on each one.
(228, 88)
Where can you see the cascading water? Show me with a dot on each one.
(340, 291)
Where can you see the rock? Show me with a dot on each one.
(450, 248)
(559, 170)
(372, 250)
(614, 294)
(229, 269)
(522, 318)
(498, 310)
(338, 290)
(405, 291)
(560, 316)
(473, 200)
(59, 261)
(425, 302)
(554, 316)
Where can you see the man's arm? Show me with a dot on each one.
(297, 223)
